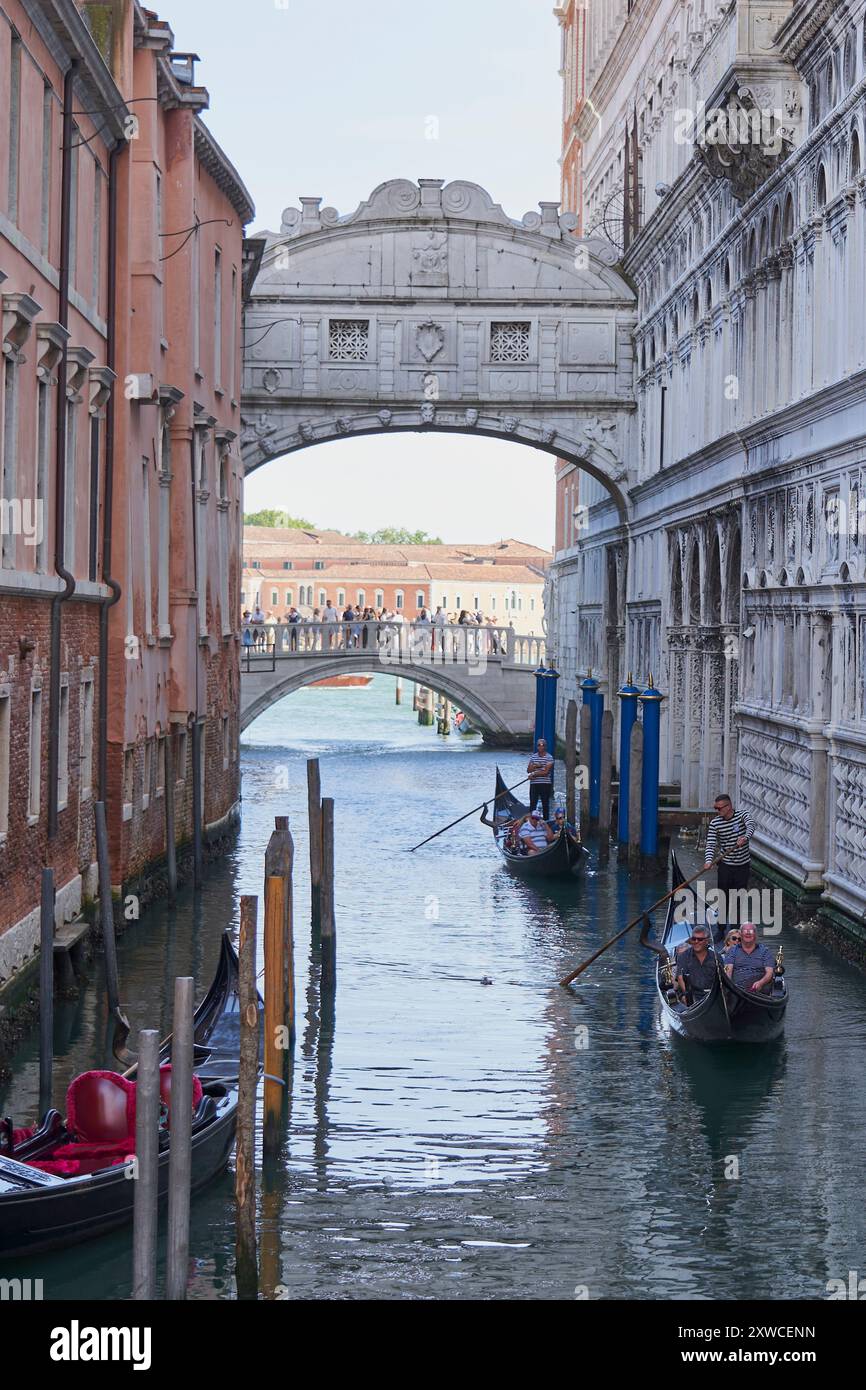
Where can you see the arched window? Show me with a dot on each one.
(850, 64)
(323, 598)
(763, 241)
(362, 598)
(776, 230)
(398, 599)
(289, 598)
(380, 598)
(828, 95)
(708, 295)
(696, 308)
(341, 598)
(695, 585)
(821, 188)
(726, 279)
(419, 600)
(854, 157)
(224, 477)
(714, 586)
(676, 587)
(788, 218)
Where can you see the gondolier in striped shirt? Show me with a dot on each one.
(728, 836)
(540, 769)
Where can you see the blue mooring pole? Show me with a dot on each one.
(591, 697)
(651, 700)
(539, 705)
(548, 689)
(627, 715)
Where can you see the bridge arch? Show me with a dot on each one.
(429, 309)
(461, 689)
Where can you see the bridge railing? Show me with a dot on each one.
(395, 644)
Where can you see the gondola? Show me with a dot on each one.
(67, 1180)
(725, 1013)
(565, 855)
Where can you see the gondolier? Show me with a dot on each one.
(540, 769)
(728, 839)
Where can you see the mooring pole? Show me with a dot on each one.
(276, 1035)
(170, 849)
(585, 735)
(650, 700)
(606, 770)
(570, 761)
(106, 907)
(197, 812)
(635, 776)
(46, 990)
(246, 1272)
(180, 1152)
(627, 716)
(146, 1194)
(314, 811)
(280, 860)
(329, 931)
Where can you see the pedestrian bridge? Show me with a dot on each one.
(489, 672)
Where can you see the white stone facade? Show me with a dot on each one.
(739, 577)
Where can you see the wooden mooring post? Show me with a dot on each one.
(314, 812)
(170, 848)
(246, 1271)
(329, 930)
(46, 990)
(106, 907)
(146, 1195)
(570, 761)
(180, 1153)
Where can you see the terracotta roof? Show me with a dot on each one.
(482, 579)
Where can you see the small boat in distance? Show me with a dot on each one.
(725, 1013)
(67, 1180)
(564, 855)
(339, 682)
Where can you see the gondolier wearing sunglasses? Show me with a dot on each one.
(728, 836)
(540, 769)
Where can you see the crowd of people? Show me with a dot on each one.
(357, 627)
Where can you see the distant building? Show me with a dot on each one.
(286, 567)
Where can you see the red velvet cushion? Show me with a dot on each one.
(100, 1108)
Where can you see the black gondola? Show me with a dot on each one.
(565, 855)
(84, 1197)
(725, 1013)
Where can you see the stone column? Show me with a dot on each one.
(820, 679)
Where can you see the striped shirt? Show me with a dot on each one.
(540, 769)
(723, 835)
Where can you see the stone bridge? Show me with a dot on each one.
(489, 672)
(429, 309)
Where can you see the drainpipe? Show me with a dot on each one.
(108, 495)
(60, 459)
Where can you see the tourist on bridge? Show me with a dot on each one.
(540, 769)
(348, 615)
(330, 615)
(258, 626)
(293, 617)
(750, 965)
(728, 836)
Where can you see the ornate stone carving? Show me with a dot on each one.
(259, 431)
(471, 417)
(510, 423)
(271, 380)
(430, 258)
(547, 436)
(429, 339)
(428, 414)
(343, 424)
(385, 417)
(306, 430)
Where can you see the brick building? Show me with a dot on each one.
(119, 466)
(284, 567)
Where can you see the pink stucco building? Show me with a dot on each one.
(123, 264)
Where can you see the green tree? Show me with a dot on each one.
(270, 516)
(396, 535)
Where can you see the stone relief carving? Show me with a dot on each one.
(385, 417)
(344, 424)
(271, 380)
(259, 431)
(428, 414)
(510, 423)
(471, 417)
(429, 339)
(430, 256)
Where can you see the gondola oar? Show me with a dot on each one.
(640, 917)
(479, 807)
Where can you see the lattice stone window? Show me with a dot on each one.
(348, 340)
(509, 342)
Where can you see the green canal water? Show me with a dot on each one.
(452, 1139)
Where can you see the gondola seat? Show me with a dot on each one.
(165, 1089)
(100, 1115)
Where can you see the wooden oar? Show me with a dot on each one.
(480, 807)
(620, 934)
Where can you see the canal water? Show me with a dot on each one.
(462, 1127)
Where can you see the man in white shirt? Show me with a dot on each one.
(330, 615)
(535, 833)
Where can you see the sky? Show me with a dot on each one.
(332, 97)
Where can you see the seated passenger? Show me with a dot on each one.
(732, 938)
(535, 833)
(696, 966)
(559, 820)
(750, 965)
